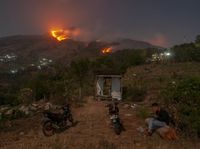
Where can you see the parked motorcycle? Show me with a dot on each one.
(116, 124)
(114, 117)
(57, 122)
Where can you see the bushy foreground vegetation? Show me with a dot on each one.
(71, 82)
(183, 100)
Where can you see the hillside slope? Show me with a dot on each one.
(44, 46)
(155, 77)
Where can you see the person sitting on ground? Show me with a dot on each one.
(161, 119)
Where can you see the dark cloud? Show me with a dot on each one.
(162, 22)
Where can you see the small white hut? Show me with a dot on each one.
(109, 87)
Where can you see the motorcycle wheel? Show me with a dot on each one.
(48, 129)
(117, 128)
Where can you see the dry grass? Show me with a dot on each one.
(155, 77)
(92, 132)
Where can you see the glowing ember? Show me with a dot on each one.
(107, 50)
(60, 34)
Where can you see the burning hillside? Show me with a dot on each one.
(31, 47)
(107, 50)
(59, 34)
(64, 34)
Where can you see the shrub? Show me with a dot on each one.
(143, 112)
(186, 52)
(9, 99)
(183, 99)
(134, 93)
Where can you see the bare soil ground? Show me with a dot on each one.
(92, 132)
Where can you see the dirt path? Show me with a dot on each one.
(92, 132)
(92, 128)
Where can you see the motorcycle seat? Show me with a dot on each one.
(54, 116)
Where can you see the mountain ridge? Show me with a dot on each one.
(30, 47)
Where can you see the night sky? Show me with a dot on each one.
(161, 22)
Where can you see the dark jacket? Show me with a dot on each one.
(163, 116)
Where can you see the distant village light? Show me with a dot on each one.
(39, 67)
(167, 53)
(14, 71)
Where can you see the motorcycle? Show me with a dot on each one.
(56, 122)
(116, 124)
(114, 117)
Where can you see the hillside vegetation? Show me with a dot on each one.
(173, 80)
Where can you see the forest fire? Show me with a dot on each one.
(64, 34)
(107, 50)
(60, 34)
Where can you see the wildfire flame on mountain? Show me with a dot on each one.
(107, 50)
(60, 34)
(64, 34)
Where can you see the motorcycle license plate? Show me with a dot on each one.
(114, 120)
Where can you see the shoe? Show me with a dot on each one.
(148, 132)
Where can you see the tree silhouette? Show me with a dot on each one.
(79, 71)
(197, 41)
